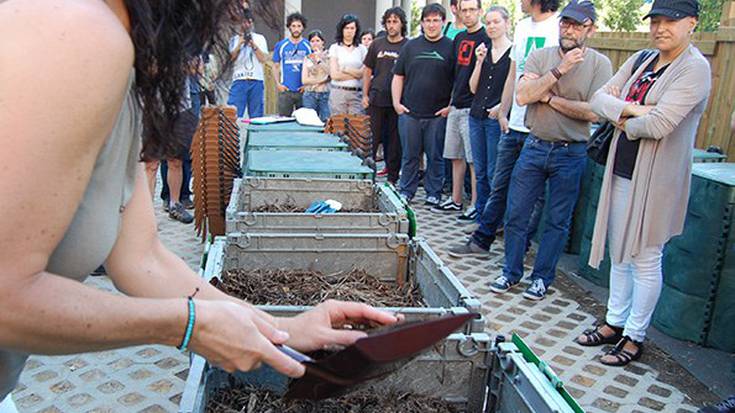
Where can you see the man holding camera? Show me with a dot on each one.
(248, 51)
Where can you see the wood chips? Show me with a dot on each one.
(301, 287)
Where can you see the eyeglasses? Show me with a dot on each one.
(567, 24)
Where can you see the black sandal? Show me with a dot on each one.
(593, 336)
(623, 357)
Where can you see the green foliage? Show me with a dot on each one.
(622, 15)
(709, 15)
(415, 19)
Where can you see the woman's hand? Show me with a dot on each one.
(481, 53)
(236, 338)
(321, 326)
(612, 90)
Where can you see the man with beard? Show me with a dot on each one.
(377, 77)
(288, 56)
(557, 84)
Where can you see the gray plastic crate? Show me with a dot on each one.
(465, 370)
(252, 193)
(454, 369)
(519, 386)
(314, 164)
(388, 257)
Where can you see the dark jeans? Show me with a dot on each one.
(421, 135)
(562, 165)
(289, 101)
(484, 136)
(491, 216)
(319, 101)
(384, 122)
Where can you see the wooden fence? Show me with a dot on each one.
(719, 48)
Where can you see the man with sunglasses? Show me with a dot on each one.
(556, 85)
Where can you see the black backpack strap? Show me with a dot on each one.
(642, 57)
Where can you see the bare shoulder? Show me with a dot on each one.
(72, 29)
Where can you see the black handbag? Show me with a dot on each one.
(598, 145)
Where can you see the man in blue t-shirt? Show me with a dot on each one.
(288, 56)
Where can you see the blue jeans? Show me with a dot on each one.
(419, 134)
(562, 165)
(247, 94)
(484, 136)
(491, 216)
(319, 101)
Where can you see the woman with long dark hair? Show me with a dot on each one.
(346, 58)
(75, 195)
(656, 100)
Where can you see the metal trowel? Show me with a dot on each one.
(377, 355)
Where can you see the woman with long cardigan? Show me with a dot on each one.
(656, 106)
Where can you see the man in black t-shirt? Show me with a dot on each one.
(422, 89)
(457, 141)
(377, 77)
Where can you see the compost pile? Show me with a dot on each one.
(290, 206)
(301, 287)
(247, 399)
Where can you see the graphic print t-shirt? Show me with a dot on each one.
(247, 65)
(464, 51)
(429, 71)
(529, 36)
(381, 58)
(291, 57)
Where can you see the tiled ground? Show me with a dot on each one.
(151, 379)
(549, 327)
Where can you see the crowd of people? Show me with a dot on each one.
(469, 112)
(464, 109)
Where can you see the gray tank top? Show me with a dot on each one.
(96, 223)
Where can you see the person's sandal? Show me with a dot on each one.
(622, 356)
(593, 336)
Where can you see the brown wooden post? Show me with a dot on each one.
(728, 14)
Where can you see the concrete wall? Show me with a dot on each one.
(324, 14)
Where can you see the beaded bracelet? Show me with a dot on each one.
(190, 324)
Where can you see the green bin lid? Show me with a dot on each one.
(702, 155)
(305, 162)
(721, 172)
(300, 140)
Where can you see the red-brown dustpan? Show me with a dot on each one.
(375, 356)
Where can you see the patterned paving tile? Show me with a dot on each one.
(549, 326)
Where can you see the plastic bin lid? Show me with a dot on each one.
(702, 154)
(305, 161)
(721, 172)
(281, 126)
(304, 140)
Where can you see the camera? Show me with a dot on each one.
(247, 37)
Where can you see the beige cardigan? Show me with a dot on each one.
(662, 173)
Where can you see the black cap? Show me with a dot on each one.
(675, 9)
(579, 11)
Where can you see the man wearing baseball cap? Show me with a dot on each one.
(556, 85)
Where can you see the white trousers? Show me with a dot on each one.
(7, 405)
(634, 286)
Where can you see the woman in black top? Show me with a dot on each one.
(486, 83)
